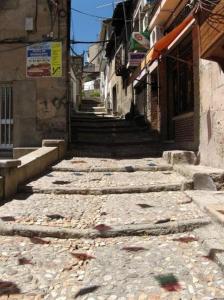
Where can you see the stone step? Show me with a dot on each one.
(106, 183)
(100, 123)
(115, 151)
(91, 103)
(113, 140)
(109, 129)
(87, 108)
(126, 214)
(119, 154)
(90, 115)
(78, 164)
(116, 142)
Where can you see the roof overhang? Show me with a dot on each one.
(165, 11)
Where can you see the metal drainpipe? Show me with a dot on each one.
(68, 125)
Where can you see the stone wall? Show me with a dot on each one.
(211, 114)
(39, 104)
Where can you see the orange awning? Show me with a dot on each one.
(164, 42)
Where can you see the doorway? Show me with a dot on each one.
(114, 91)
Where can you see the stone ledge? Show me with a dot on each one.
(21, 151)
(180, 157)
(204, 178)
(15, 172)
(9, 163)
(60, 144)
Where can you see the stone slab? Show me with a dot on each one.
(204, 177)
(204, 182)
(148, 208)
(66, 181)
(205, 198)
(9, 163)
(79, 211)
(180, 157)
(64, 211)
(19, 152)
(85, 164)
(210, 202)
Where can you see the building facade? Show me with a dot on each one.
(76, 80)
(172, 66)
(34, 73)
(211, 36)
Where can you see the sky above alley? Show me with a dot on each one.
(84, 27)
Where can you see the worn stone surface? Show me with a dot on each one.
(100, 164)
(204, 182)
(131, 268)
(79, 211)
(148, 208)
(39, 268)
(124, 267)
(52, 210)
(179, 157)
(139, 266)
(79, 180)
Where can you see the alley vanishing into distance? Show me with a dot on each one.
(110, 226)
(111, 149)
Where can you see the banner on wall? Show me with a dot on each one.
(44, 60)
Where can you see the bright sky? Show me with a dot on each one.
(85, 28)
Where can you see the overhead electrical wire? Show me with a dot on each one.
(97, 17)
(214, 18)
(88, 14)
(88, 42)
(24, 44)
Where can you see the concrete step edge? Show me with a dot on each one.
(108, 190)
(114, 169)
(7, 229)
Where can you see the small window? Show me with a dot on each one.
(6, 116)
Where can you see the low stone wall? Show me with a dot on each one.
(17, 171)
(19, 152)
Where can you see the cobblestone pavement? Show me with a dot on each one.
(123, 268)
(78, 211)
(173, 267)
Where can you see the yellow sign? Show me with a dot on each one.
(44, 60)
(56, 59)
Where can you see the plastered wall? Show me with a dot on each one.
(211, 114)
(39, 104)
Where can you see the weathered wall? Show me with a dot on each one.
(93, 56)
(40, 104)
(211, 114)
(124, 95)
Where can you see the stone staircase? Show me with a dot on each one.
(97, 134)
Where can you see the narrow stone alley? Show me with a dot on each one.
(108, 227)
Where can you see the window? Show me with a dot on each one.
(6, 113)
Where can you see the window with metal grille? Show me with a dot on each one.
(6, 116)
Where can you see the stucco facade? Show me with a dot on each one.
(211, 114)
(40, 105)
